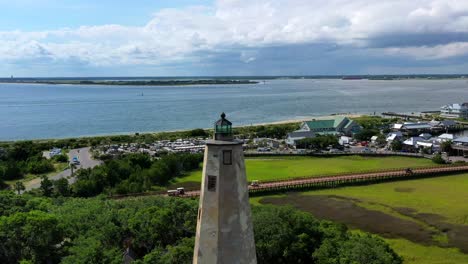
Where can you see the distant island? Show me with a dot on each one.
(131, 82)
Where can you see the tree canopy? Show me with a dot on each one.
(161, 230)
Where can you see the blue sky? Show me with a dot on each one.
(51, 14)
(47, 38)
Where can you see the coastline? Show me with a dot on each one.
(280, 122)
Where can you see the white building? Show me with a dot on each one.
(293, 137)
(455, 110)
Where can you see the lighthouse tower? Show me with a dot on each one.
(224, 226)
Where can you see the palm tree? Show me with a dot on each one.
(19, 187)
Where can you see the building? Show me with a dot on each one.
(443, 125)
(446, 137)
(394, 136)
(413, 129)
(335, 126)
(344, 140)
(269, 142)
(460, 144)
(455, 110)
(295, 136)
(224, 225)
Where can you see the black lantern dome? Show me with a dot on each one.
(223, 129)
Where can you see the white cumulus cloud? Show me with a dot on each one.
(178, 35)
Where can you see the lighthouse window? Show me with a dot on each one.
(211, 183)
(227, 157)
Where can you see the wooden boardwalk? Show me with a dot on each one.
(330, 181)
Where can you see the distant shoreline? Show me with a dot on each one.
(132, 82)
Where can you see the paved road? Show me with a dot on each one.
(86, 161)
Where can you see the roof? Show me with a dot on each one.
(412, 141)
(424, 144)
(298, 134)
(447, 136)
(223, 121)
(417, 126)
(461, 140)
(326, 123)
(425, 135)
(328, 133)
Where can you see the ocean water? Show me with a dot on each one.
(34, 111)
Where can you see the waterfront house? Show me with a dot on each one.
(416, 144)
(295, 136)
(411, 144)
(412, 129)
(444, 124)
(460, 144)
(339, 125)
(445, 137)
(455, 110)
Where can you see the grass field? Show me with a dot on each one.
(276, 168)
(446, 196)
(424, 220)
(414, 253)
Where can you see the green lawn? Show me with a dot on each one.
(446, 196)
(276, 168)
(414, 253)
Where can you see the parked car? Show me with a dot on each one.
(255, 183)
(177, 192)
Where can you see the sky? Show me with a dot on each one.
(79, 38)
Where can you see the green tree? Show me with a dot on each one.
(438, 159)
(46, 186)
(285, 235)
(61, 187)
(41, 165)
(61, 158)
(381, 140)
(446, 146)
(31, 236)
(368, 249)
(10, 170)
(19, 187)
(366, 134)
(396, 145)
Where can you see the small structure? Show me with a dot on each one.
(344, 140)
(224, 226)
(455, 110)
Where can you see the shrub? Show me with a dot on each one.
(438, 159)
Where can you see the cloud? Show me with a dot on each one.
(421, 29)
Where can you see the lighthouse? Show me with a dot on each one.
(224, 225)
